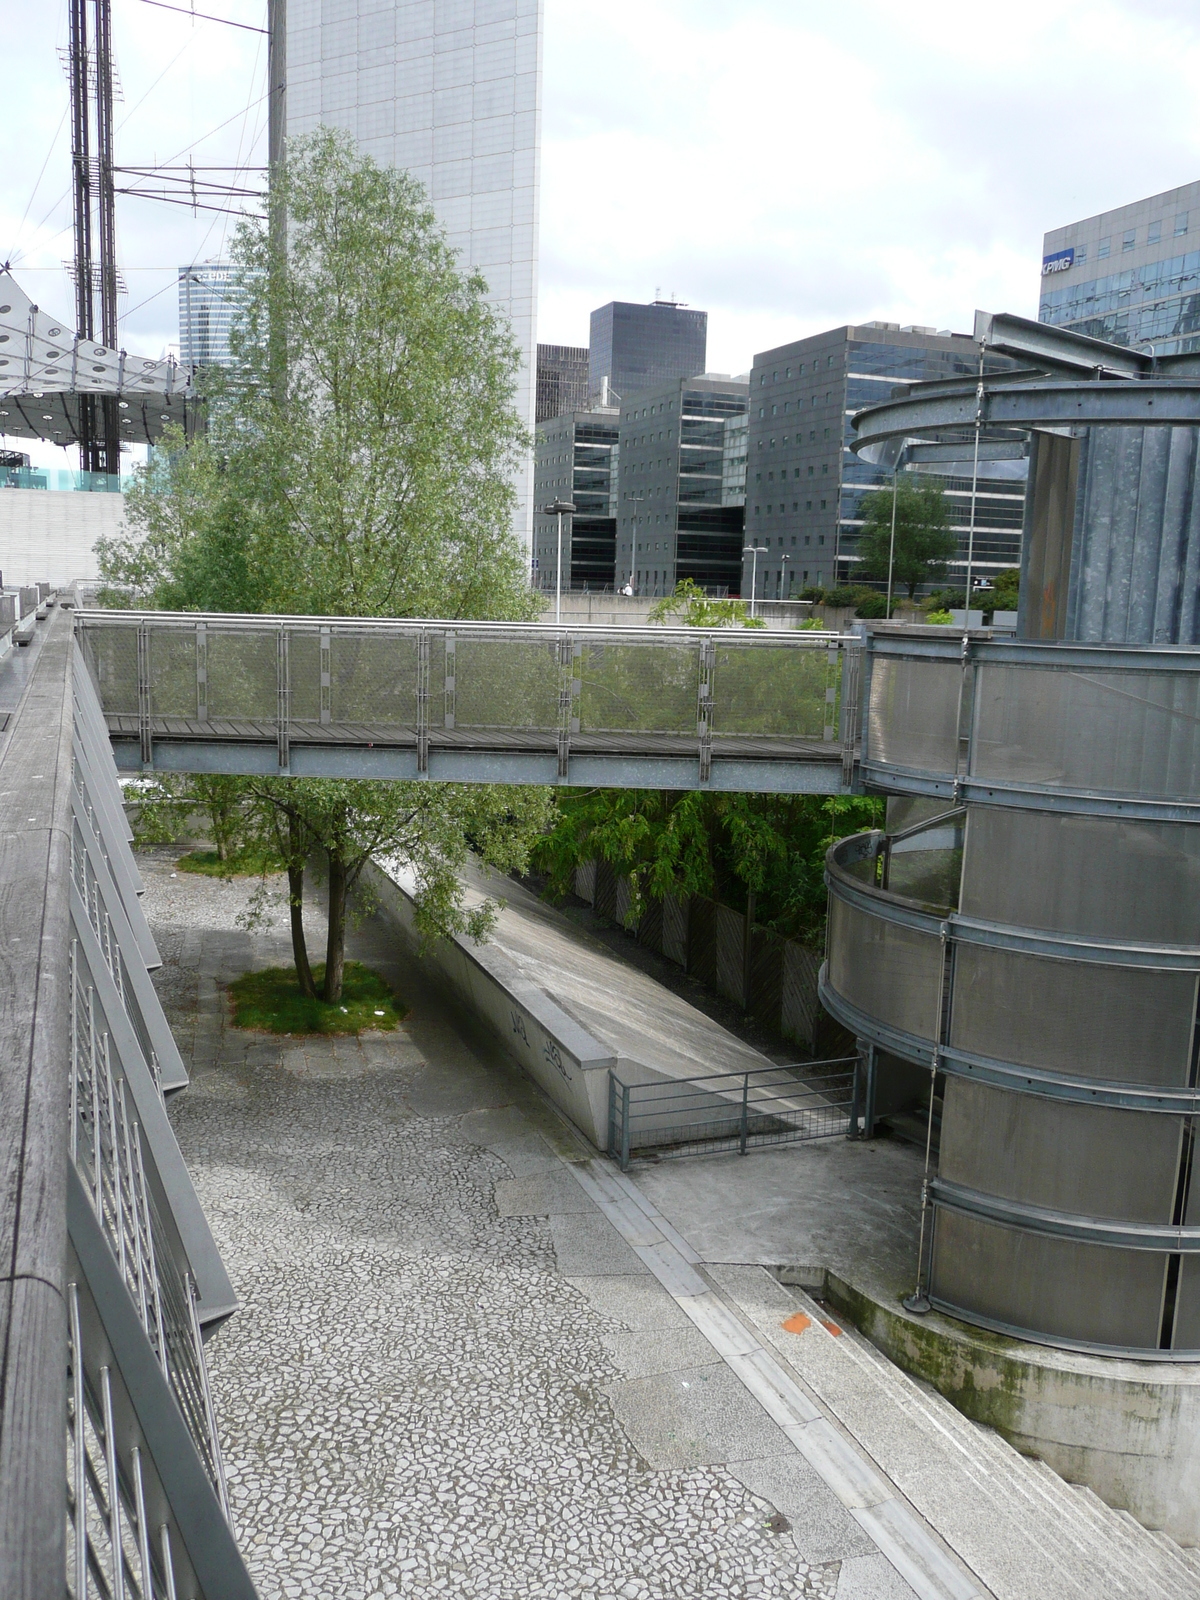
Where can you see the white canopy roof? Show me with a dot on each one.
(45, 367)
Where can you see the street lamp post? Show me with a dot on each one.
(558, 508)
(637, 499)
(783, 588)
(754, 550)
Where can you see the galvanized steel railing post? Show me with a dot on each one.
(143, 693)
(283, 693)
(423, 702)
(624, 1126)
(704, 705)
(745, 1113)
(201, 672)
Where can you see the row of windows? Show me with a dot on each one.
(814, 366)
(762, 410)
(795, 473)
(1129, 239)
(812, 439)
(1152, 281)
(808, 505)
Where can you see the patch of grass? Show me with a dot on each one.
(271, 1002)
(247, 864)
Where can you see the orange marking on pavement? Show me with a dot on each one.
(831, 1327)
(797, 1323)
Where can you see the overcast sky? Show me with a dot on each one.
(786, 166)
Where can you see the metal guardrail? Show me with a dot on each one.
(470, 701)
(731, 1110)
(111, 1482)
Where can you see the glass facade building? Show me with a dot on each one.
(635, 348)
(576, 459)
(451, 90)
(805, 487)
(681, 507)
(207, 302)
(562, 380)
(1131, 276)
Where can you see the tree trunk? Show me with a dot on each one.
(295, 872)
(335, 950)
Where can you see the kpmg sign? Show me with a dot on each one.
(1058, 262)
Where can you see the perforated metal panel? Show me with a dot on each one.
(912, 720)
(629, 688)
(890, 972)
(243, 675)
(784, 691)
(173, 675)
(507, 683)
(373, 679)
(1041, 725)
(1104, 877)
(1068, 1290)
(1131, 1025)
(1083, 1159)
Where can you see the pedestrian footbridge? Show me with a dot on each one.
(670, 708)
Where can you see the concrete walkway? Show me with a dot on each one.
(472, 1358)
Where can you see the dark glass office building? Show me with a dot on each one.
(576, 460)
(1131, 276)
(805, 487)
(681, 511)
(635, 348)
(562, 380)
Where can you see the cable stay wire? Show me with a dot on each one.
(40, 176)
(203, 16)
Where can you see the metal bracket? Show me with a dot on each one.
(282, 696)
(704, 705)
(143, 689)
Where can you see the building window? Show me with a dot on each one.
(1080, 254)
(829, 361)
(1127, 242)
(774, 409)
(820, 538)
(756, 511)
(810, 472)
(822, 505)
(808, 538)
(1181, 222)
(762, 379)
(1153, 235)
(796, 473)
(787, 406)
(1104, 248)
(808, 505)
(789, 372)
(812, 436)
(758, 477)
(770, 477)
(795, 507)
(826, 433)
(762, 411)
(793, 541)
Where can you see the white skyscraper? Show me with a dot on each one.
(451, 90)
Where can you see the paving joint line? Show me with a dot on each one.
(915, 1550)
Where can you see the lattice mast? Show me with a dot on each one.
(90, 73)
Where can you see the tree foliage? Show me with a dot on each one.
(357, 462)
(924, 543)
(693, 608)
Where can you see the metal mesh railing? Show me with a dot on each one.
(169, 672)
(730, 1110)
(106, 1148)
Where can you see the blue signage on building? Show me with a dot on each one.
(1058, 262)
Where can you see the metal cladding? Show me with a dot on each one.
(46, 370)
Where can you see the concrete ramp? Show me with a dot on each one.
(568, 1009)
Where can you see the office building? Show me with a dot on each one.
(1131, 276)
(804, 486)
(451, 91)
(207, 302)
(635, 348)
(562, 380)
(576, 460)
(681, 507)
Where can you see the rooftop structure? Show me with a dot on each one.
(46, 370)
(1130, 276)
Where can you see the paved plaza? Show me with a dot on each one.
(450, 1374)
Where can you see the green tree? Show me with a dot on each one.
(693, 608)
(924, 542)
(357, 462)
